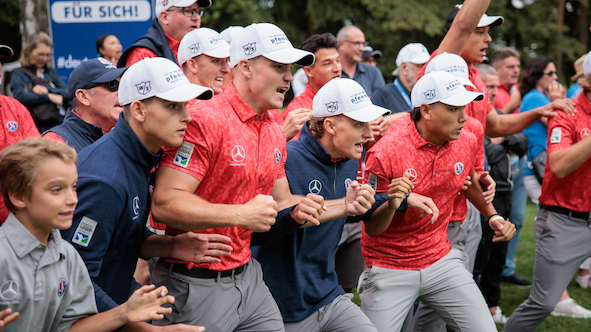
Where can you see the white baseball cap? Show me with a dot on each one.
(230, 33)
(162, 5)
(415, 53)
(451, 63)
(443, 87)
(347, 97)
(203, 41)
(492, 21)
(270, 41)
(158, 77)
(587, 64)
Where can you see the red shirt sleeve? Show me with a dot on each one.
(54, 137)
(137, 54)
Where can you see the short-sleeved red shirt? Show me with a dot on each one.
(412, 242)
(236, 154)
(17, 124)
(503, 97)
(140, 53)
(574, 190)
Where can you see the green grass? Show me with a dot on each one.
(512, 296)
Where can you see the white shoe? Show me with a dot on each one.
(583, 281)
(499, 317)
(570, 308)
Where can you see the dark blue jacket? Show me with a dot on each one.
(19, 82)
(155, 41)
(299, 268)
(390, 97)
(113, 191)
(76, 132)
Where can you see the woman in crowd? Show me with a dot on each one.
(109, 47)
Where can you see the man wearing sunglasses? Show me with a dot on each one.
(174, 19)
(93, 87)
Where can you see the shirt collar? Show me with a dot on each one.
(583, 102)
(131, 145)
(241, 108)
(418, 140)
(173, 43)
(23, 242)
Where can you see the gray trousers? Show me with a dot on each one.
(239, 303)
(562, 245)
(446, 286)
(466, 238)
(341, 315)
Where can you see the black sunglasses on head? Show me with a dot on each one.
(112, 85)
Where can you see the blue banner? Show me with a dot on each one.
(76, 25)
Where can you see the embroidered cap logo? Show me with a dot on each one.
(250, 48)
(332, 107)
(143, 88)
(194, 48)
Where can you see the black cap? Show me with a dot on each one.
(5, 50)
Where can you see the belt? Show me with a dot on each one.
(565, 211)
(197, 272)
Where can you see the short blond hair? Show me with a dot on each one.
(20, 163)
(32, 43)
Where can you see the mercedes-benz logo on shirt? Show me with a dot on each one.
(315, 186)
(585, 132)
(238, 153)
(413, 174)
(136, 205)
(9, 290)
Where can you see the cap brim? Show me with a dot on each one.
(367, 114)
(463, 98)
(490, 21)
(186, 92)
(220, 52)
(466, 81)
(421, 60)
(6, 50)
(204, 3)
(291, 55)
(111, 75)
(376, 54)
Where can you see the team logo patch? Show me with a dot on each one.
(238, 153)
(585, 132)
(556, 135)
(458, 168)
(9, 290)
(347, 183)
(62, 285)
(250, 48)
(136, 207)
(277, 156)
(84, 232)
(183, 154)
(429, 94)
(315, 186)
(11, 126)
(373, 181)
(194, 48)
(332, 107)
(412, 174)
(143, 88)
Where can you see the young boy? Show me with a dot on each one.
(43, 279)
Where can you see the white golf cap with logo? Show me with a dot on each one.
(347, 97)
(158, 77)
(230, 33)
(203, 41)
(162, 5)
(451, 63)
(415, 53)
(270, 41)
(443, 87)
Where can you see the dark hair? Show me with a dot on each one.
(415, 114)
(320, 41)
(532, 72)
(450, 18)
(497, 57)
(100, 42)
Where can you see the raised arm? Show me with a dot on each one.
(463, 25)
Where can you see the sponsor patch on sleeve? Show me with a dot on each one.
(84, 232)
(372, 181)
(183, 154)
(556, 135)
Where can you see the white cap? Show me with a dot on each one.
(230, 33)
(158, 77)
(415, 53)
(270, 41)
(492, 21)
(587, 64)
(443, 87)
(203, 41)
(347, 97)
(162, 5)
(451, 63)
